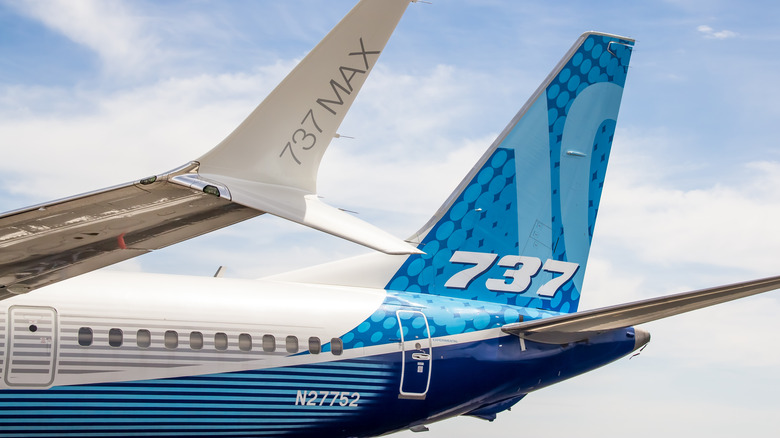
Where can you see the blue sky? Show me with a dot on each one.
(94, 93)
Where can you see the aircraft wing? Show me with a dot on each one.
(268, 164)
(581, 325)
(50, 242)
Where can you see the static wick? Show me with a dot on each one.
(337, 135)
(638, 352)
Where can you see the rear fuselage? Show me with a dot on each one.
(114, 354)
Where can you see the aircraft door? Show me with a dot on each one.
(32, 346)
(416, 351)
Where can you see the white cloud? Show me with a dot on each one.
(108, 138)
(108, 27)
(729, 227)
(709, 32)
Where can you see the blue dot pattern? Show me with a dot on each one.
(446, 316)
(596, 61)
(484, 216)
(482, 219)
(602, 146)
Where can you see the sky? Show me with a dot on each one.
(96, 93)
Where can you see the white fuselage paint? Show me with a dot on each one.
(160, 303)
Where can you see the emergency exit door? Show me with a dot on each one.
(32, 347)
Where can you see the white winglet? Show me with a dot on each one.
(270, 161)
(304, 208)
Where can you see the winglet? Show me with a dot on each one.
(277, 150)
(304, 208)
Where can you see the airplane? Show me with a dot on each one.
(465, 317)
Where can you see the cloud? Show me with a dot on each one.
(110, 28)
(106, 138)
(727, 227)
(709, 32)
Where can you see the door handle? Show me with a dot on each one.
(421, 356)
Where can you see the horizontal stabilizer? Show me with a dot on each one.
(580, 326)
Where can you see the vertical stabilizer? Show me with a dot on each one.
(518, 228)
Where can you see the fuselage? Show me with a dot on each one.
(109, 354)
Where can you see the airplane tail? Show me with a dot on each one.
(518, 228)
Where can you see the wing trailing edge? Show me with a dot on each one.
(50, 242)
(582, 325)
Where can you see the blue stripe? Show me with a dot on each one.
(59, 396)
(226, 383)
(296, 375)
(155, 432)
(276, 386)
(271, 376)
(140, 433)
(324, 410)
(142, 393)
(282, 431)
(193, 405)
(340, 365)
(144, 422)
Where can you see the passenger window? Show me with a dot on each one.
(85, 336)
(171, 339)
(292, 344)
(245, 342)
(315, 345)
(196, 340)
(220, 341)
(336, 346)
(143, 338)
(269, 343)
(115, 337)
